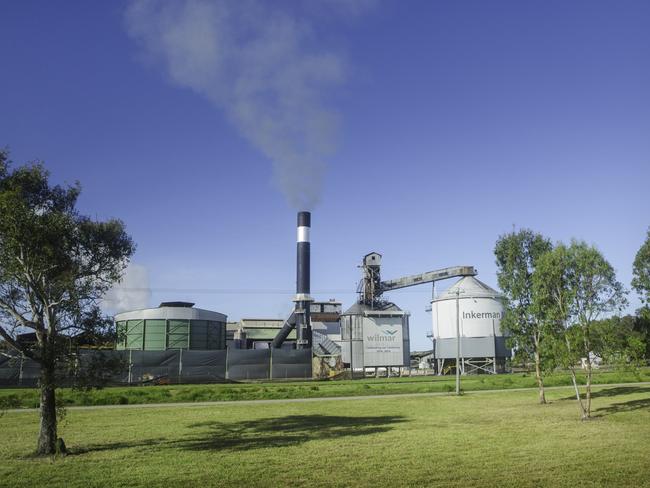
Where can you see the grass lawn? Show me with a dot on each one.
(488, 439)
(28, 397)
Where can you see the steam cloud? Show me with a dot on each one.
(132, 293)
(262, 65)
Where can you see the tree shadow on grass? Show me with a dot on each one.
(260, 433)
(630, 406)
(77, 450)
(610, 392)
(283, 431)
(111, 446)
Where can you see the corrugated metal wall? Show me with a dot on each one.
(161, 334)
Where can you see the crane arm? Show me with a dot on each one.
(428, 277)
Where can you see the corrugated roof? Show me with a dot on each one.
(360, 308)
(470, 287)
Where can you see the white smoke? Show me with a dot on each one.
(132, 293)
(263, 66)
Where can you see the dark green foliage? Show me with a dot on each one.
(55, 265)
(573, 287)
(8, 402)
(517, 254)
(614, 335)
(641, 272)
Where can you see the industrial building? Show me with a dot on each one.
(258, 333)
(372, 333)
(178, 342)
(375, 331)
(172, 325)
(375, 338)
(471, 311)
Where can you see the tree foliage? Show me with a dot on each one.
(573, 287)
(621, 341)
(517, 254)
(55, 265)
(641, 273)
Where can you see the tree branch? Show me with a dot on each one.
(24, 322)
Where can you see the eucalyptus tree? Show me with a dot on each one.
(641, 275)
(517, 254)
(573, 287)
(55, 265)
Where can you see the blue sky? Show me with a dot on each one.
(432, 127)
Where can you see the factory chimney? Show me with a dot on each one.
(300, 317)
(302, 299)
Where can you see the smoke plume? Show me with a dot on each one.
(262, 65)
(132, 293)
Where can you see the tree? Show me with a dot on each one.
(517, 254)
(55, 265)
(573, 287)
(621, 341)
(641, 276)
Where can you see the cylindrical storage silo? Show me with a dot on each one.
(482, 343)
(172, 325)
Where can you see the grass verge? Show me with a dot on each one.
(495, 439)
(28, 397)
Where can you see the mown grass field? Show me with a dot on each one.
(479, 439)
(28, 397)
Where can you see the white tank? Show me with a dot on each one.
(481, 310)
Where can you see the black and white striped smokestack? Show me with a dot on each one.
(303, 251)
(303, 300)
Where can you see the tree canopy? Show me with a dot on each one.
(55, 265)
(573, 287)
(517, 254)
(641, 272)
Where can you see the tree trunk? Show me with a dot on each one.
(588, 408)
(587, 345)
(47, 435)
(583, 412)
(538, 376)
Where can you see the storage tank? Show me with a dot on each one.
(173, 325)
(375, 338)
(482, 343)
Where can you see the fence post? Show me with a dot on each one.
(271, 364)
(130, 365)
(180, 364)
(226, 374)
(20, 371)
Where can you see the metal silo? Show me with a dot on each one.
(477, 323)
(173, 325)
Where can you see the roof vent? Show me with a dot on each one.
(176, 304)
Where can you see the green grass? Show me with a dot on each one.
(28, 397)
(488, 439)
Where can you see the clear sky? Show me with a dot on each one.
(431, 128)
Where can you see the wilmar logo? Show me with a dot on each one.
(383, 333)
(382, 341)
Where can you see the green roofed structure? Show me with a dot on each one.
(173, 325)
